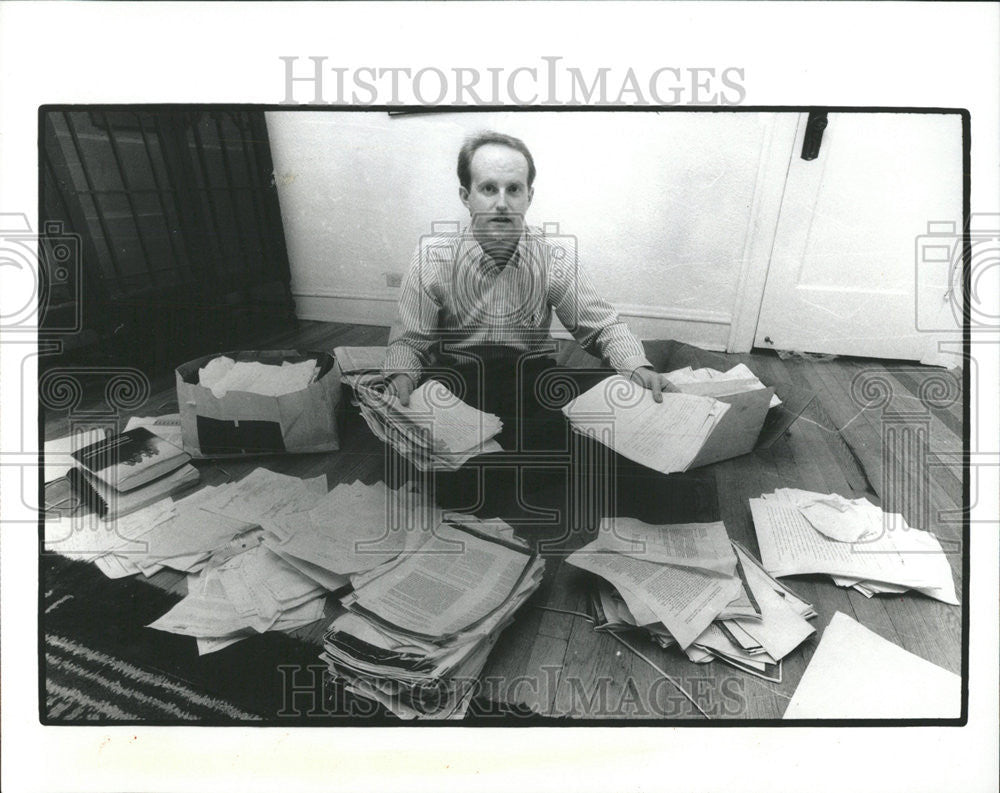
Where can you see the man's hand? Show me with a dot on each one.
(654, 381)
(401, 386)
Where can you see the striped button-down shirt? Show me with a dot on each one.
(456, 299)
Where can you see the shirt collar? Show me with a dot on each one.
(470, 250)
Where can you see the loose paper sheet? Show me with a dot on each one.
(856, 674)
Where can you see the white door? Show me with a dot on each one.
(848, 272)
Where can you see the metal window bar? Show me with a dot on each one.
(181, 261)
(231, 189)
(223, 272)
(173, 147)
(255, 189)
(126, 183)
(88, 180)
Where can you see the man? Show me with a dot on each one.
(479, 303)
(489, 303)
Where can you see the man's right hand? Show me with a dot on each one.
(400, 386)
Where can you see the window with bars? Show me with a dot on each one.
(181, 248)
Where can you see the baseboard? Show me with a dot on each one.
(357, 308)
(706, 329)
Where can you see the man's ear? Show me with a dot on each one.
(463, 193)
(531, 195)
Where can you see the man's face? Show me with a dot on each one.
(498, 196)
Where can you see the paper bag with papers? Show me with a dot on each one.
(683, 431)
(292, 410)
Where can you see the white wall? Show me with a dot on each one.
(660, 205)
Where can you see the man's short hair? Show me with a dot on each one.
(481, 139)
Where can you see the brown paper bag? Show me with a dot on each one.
(241, 424)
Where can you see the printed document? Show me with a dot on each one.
(703, 545)
(665, 436)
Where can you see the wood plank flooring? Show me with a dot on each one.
(887, 430)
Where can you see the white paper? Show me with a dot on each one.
(780, 629)
(703, 545)
(222, 374)
(684, 599)
(738, 378)
(58, 459)
(856, 674)
(665, 436)
(451, 424)
(789, 545)
(354, 360)
(455, 580)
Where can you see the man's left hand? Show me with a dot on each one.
(654, 381)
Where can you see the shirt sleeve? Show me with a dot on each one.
(593, 321)
(413, 334)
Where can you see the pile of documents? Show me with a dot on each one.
(436, 431)
(688, 585)
(738, 378)
(182, 534)
(851, 540)
(261, 553)
(360, 365)
(252, 591)
(709, 420)
(305, 543)
(351, 530)
(665, 436)
(416, 630)
(223, 374)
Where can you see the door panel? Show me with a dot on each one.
(842, 275)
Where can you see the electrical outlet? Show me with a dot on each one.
(394, 280)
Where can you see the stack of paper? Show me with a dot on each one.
(117, 547)
(250, 592)
(297, 543)
(182, 534)
(801, 532)
(223, 374)
(261, 553)
(417, 630)
(687, 585)
(739, 378)
(436, 431)
(360, 364)
(665, 436)
(350, 530)
(167, 427)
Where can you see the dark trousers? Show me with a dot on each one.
(547, 474)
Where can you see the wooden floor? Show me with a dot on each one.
(888, 430)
